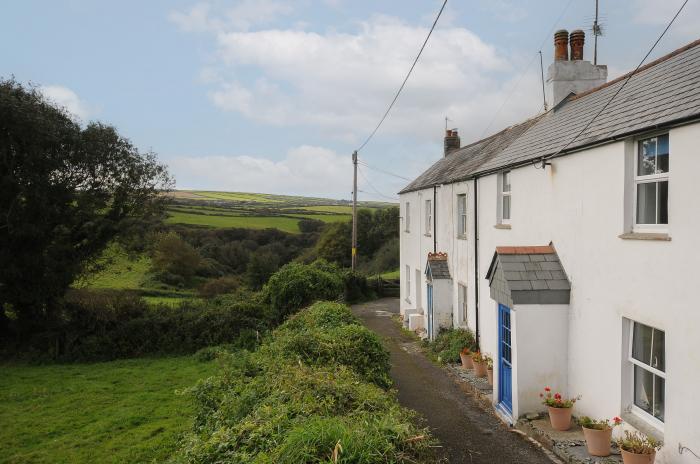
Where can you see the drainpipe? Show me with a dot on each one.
(434, 218)
(476, 258)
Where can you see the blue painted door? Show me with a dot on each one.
(430, 311)
(505, 368)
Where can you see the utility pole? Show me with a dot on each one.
(354, 210)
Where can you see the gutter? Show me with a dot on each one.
(434, 218)
(476, 257)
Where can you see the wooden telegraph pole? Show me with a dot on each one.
(354, 210)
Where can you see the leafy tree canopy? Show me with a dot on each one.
(65, 192)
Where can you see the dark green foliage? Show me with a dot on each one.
(297, 285)
(386, 258)
(302, 406)
(111, 325)
(310, 226)
(65, 193)
(260, 267)
(449, 343)
(220, 286)
(356, 287)
(174, 256)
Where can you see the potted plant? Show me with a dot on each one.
(637, 448)
(598, 434)
(489, 369)
(466, 358)
(559, 409)
(479, 364)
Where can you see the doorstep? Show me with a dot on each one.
(569, 446)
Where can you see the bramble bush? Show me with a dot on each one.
(286, 403)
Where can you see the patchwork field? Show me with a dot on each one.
(256, 210)
(115, 412)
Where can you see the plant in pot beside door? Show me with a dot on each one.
(637, 448)
(479, 364)
(559, 409)
(489, 369)
(466, 357)
(598, 434)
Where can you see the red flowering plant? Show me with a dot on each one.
(555, 400)
(602, 424)
(477, 357)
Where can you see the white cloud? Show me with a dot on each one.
(243, 16)
(305, 170)
(342, 82)
(66, 98)
(660, 13)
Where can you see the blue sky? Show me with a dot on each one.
(273, 96)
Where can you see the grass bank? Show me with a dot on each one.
(114, 412)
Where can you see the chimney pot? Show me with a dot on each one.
(452, 141)
(576, 40)
(561, 45)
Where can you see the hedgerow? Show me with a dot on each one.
(293, 402)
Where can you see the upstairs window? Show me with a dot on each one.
(428, 217)
(504, 197)
(408, 217)
(462, 215)
(651, 183)
(647, 356)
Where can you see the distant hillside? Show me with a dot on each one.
(256, 210)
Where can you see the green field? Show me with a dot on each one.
(285, 224)
(115, 412)
(119, 271)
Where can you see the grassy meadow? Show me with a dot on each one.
(112, 412)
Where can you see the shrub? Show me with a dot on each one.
(174, 256)
(220, 286)
(276, 406)
(297, 285)
(356, 287)
(449, 343)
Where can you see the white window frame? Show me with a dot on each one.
(461, 216)
(428, 217)
(462, 318)
(656, 178)
(502, 193)
(407, 217)
(637, 411)
(408, 283)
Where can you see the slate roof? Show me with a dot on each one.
(528, 275)
(663, 92)
(437, 267)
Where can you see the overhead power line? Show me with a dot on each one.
(389, 173)
(362, 174)
(405, 79)
(619, 89)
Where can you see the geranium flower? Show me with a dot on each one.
(547, 389)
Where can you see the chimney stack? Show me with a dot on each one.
(452, 141)
(577, 39)
(574, 75)
(561, 45)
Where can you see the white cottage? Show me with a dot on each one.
(573, 258)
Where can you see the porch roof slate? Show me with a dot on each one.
(531, 274)
(437, 266)
(661, 93)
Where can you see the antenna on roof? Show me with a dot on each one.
(597, 31)
(446, 119)
(544, 96)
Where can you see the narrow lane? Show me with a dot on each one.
(467, 433)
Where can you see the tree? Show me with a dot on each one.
(261, 266)
(172, 256)
(65, 193)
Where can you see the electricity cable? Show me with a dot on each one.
(405, 79)
(362, 174)
(383, 171)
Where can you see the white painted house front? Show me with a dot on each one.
(575, 259)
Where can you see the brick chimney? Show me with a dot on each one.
(452, 141)
(575, 75)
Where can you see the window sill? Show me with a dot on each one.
(663, 237)
(461, 237)
(427, 235)
(642, 425)
(407, 231)
(502, 226)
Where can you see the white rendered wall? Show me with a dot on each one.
(578, 203)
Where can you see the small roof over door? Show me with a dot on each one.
(528, 275)
(437, 267)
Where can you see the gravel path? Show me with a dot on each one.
(467, 433)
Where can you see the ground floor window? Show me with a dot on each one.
(647, 358)
(462, 304)
(408, 282)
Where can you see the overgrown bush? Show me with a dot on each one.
(110, 325)
(220, 286)
(274, 407)
(449, 343)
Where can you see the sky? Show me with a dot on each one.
(273, 96)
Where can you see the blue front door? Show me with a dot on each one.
(505, 368)
(430, 311)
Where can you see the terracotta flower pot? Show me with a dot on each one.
(598, 441)
(489, 373)
(634, 458)
(480, 369)
(560, 418)
(466, 361)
